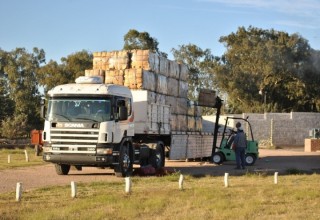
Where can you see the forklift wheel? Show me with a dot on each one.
(250, 159)
(218, 158)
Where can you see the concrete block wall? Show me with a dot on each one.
(283, 129)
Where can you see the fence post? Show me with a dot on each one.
(9, 158)
(18, 192)
(226, 179)
(73, 189)
(181, 178)
(276, 178)
(128, 184)
(27, 156)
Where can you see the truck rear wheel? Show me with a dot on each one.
(125, 166)
(157, 157)
(62, 169)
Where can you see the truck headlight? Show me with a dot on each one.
(104, 151)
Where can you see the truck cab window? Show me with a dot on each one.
(122, 103)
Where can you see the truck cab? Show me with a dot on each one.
(89, 123)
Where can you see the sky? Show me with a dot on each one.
(63, 27)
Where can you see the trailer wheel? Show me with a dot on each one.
(157, 157)
(125, 166)
(218, 158)
(250, 159)
(62, 169)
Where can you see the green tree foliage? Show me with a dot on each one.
(14, 126)
(20, 68)
(73, 66)
(200, 63)
(311, 77)
(269, 61)
(141, 40)
(7, 105)
(77, 63)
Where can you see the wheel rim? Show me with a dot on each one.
(126, 158)
(216, 158)
(158, 158)
(249, 159)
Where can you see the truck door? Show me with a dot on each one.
(121, 122)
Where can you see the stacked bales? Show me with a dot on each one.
(145, 70)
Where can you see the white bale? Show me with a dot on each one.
(183, 89)
(140, 79)
(162, 85)
(184, 72)
(145, 59)
(174, 69)
(182, 106)
(173, 87)
(164, 66)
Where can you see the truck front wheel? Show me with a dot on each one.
(62, 169)
(125, 166)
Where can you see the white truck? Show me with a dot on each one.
(98, 124)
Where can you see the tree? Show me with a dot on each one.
(20, 67)
(14, 126)
(76, 63)
(141, 40)
(269, 61)
(73, 66)
(7, 105)
(200, 63)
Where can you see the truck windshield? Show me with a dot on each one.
(78, 109)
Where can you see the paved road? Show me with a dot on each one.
(270, 161)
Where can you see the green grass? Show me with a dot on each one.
(18, 158)
(247, 197)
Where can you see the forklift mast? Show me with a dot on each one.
(208, 98)
(216, 126)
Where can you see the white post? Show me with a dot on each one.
(18, 192)
(73, 189)
(128, 184)
(26, 154)
(276, 178)
(9, 158)
(226, 179)
(181, 182)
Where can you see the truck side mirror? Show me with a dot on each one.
(43, 109)
(123, 113)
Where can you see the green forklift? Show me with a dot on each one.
(224, 152)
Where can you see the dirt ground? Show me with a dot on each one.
(270, 161)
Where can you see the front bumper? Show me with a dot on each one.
(79, 159)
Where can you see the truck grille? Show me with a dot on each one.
(74, 140)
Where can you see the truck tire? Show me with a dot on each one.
(62, 169)
(125, 166)
(157, 157)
